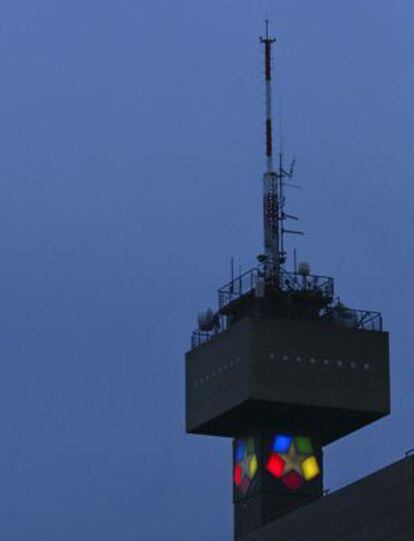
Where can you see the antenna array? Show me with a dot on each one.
(274, 215)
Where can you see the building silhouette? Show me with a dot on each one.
(284, 369)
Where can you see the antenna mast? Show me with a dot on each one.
(271, 188)
(268, 42)
(274, 214)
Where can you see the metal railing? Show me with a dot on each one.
(354, 319)
(371, 321)
(201, 337)
(291, 282)
(238, 286)
(322, 286)
(333, 315)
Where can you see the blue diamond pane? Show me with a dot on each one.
(281, 443)
(240, 451)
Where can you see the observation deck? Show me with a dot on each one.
(282, 351)
(290, 289)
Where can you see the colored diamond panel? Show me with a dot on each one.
(250, 446)
(292, 460)
(238, 474)
(246, 464)
(282, 443)
(275, 465)
(253, 466)
(292, 480)
(310, 468)
(240, 450)
(245, 485)
(303, 445)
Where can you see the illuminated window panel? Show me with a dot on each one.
(310, 468)
(246, 464)
(282, 444)
(240, 449)
(238, 474)
(245, 485)
(253, 467)
(250, 446)
(303, 445)
(292, 460)
(293, 480)
(275, 465)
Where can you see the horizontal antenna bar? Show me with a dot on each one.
(289, 231)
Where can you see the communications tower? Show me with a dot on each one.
(282, 367)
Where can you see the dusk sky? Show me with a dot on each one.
(131, 157)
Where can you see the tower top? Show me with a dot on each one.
(267, 37)
(273, 183)
(280, 353)
(268, 42)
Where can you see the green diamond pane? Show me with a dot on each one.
(303, 445)
(250, 446)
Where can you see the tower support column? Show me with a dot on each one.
(274, 472)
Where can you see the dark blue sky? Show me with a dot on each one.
(131, 154)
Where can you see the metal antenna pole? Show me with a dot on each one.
(268, 42)
(271, 210)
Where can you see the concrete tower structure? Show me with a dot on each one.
(281, 367)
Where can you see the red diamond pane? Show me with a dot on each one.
(245, 485)
(238, 474)
(275, 465)
(293, 480)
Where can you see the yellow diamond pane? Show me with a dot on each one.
(253, 467)
(310, 468)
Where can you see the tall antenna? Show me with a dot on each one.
(268, 42)
(274, 214)
(271, 211)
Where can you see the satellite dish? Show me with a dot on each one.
(348, 318)
(304, 268)
(206, 320)
(345, 317)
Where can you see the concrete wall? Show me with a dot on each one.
(379, 507)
